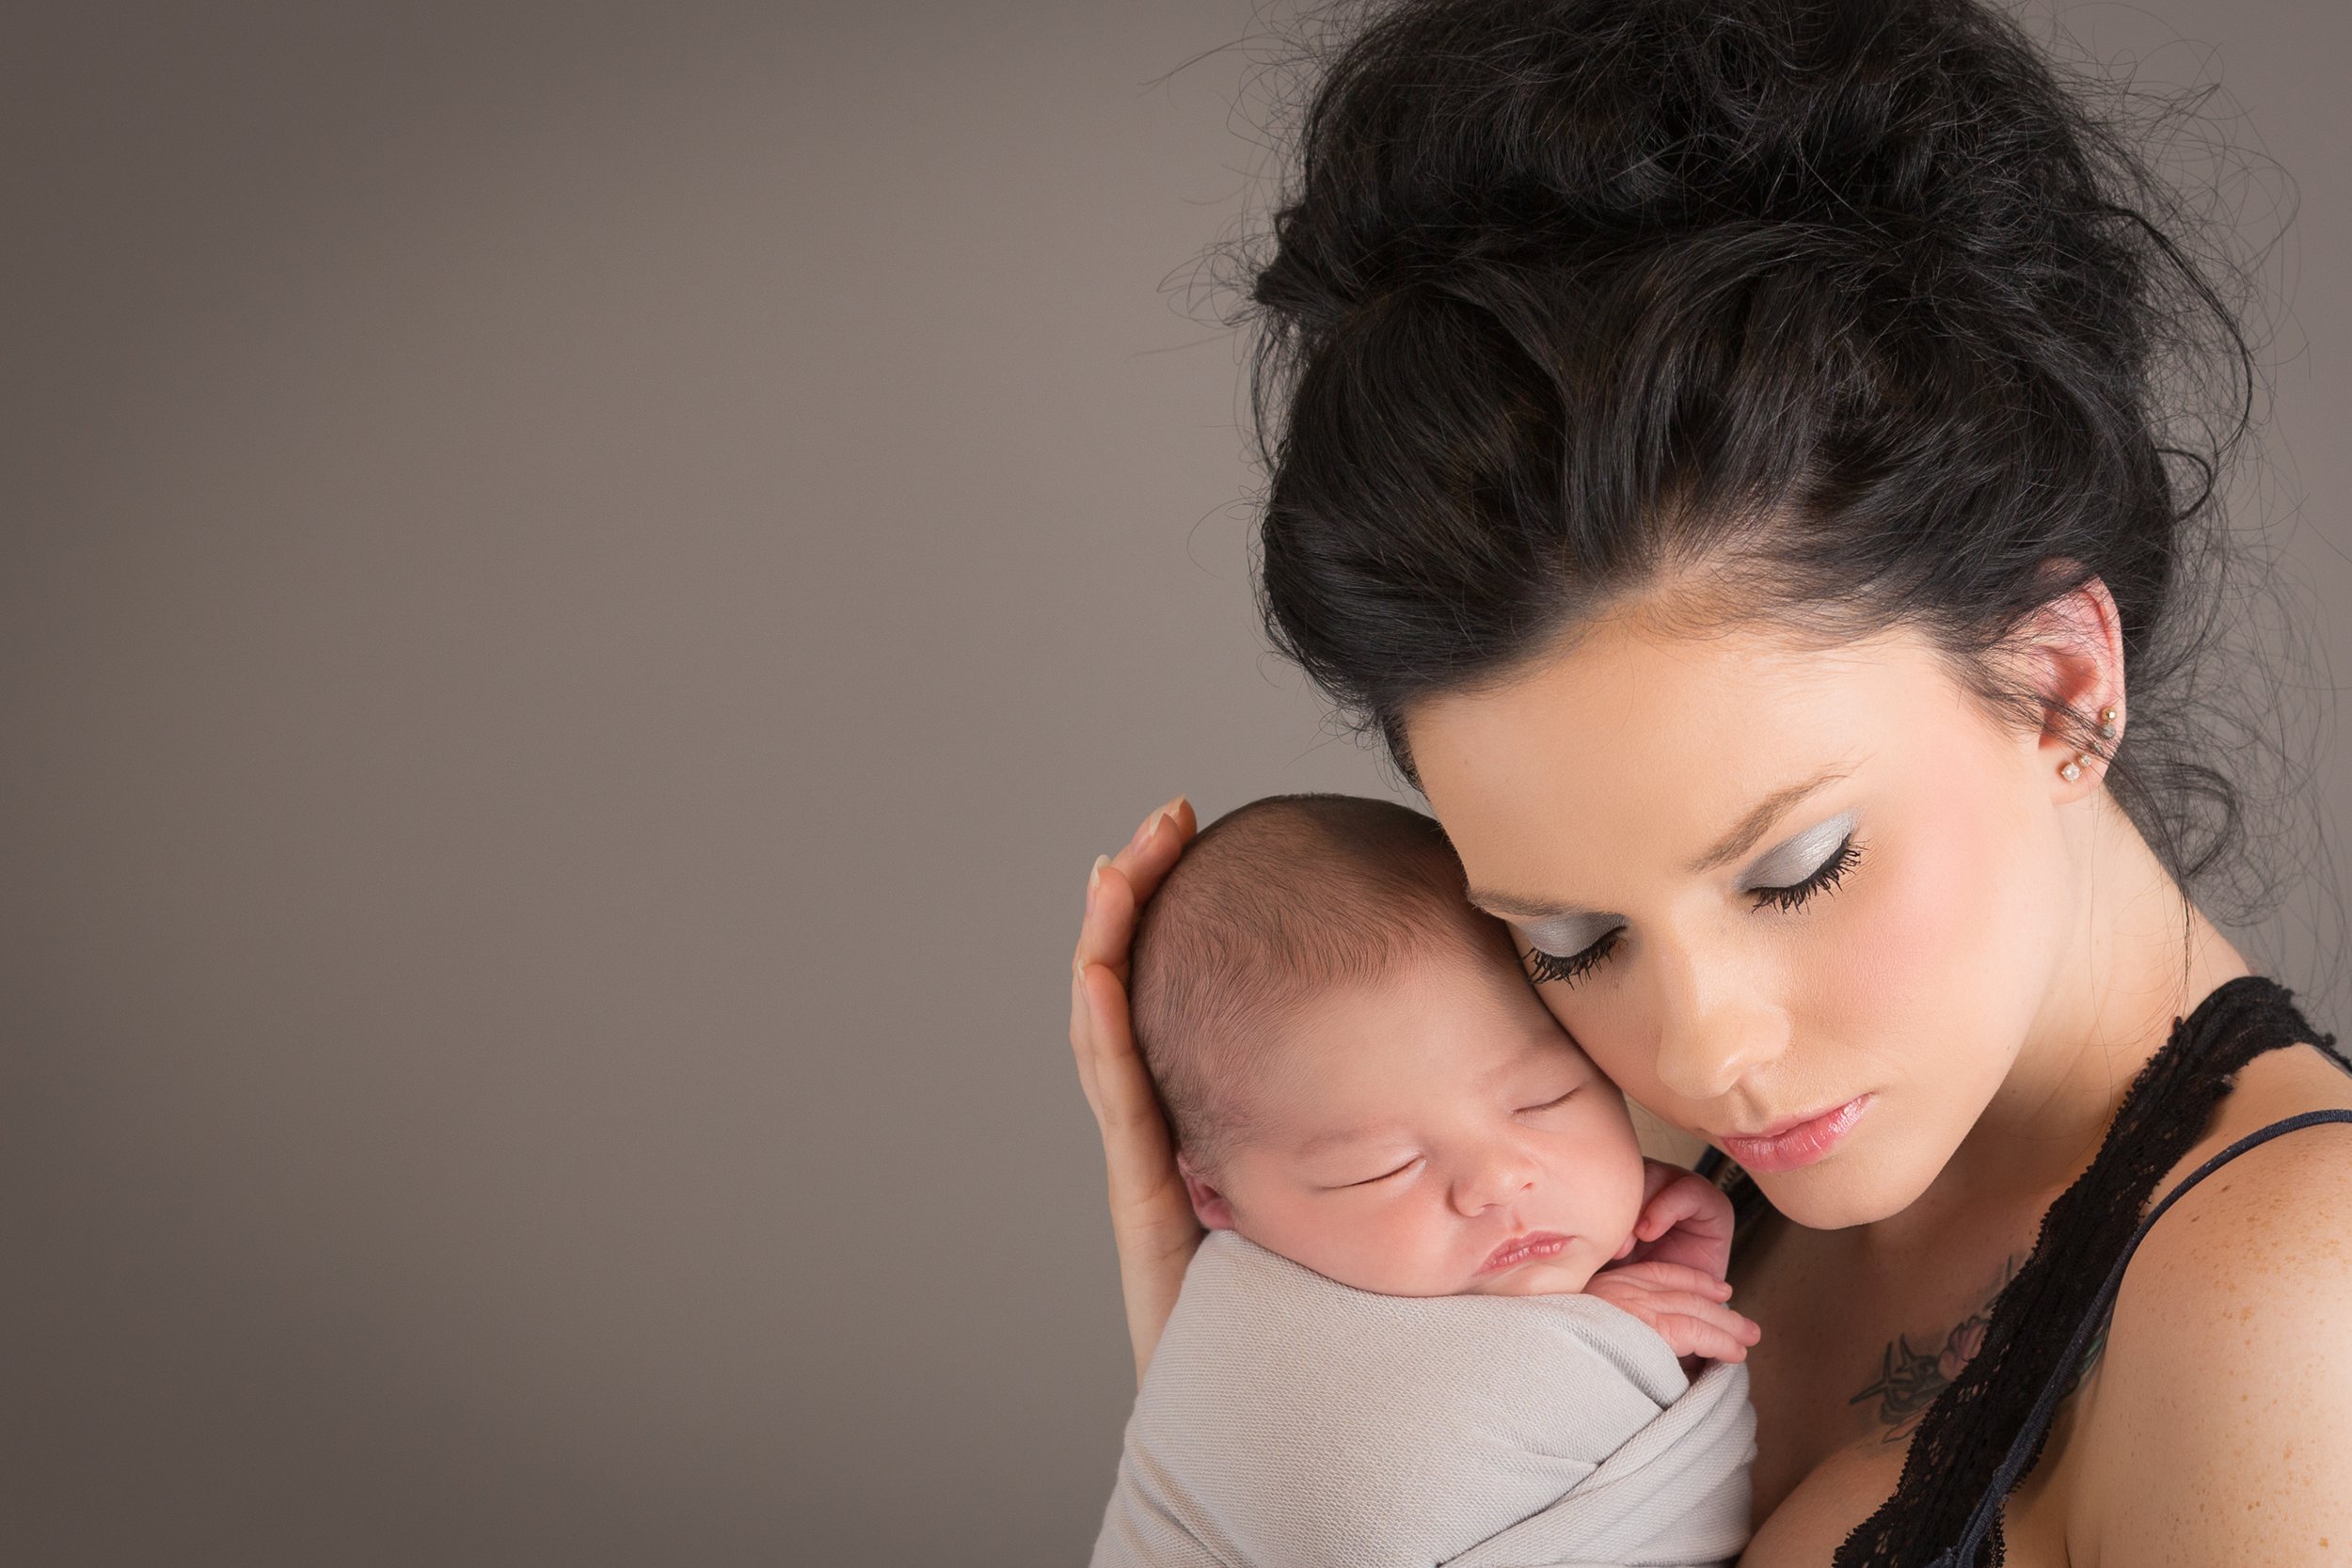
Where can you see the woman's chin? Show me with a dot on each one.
(1840, 1195)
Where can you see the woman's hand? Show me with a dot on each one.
(1151, 1219)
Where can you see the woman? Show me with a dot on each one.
(1731, 449)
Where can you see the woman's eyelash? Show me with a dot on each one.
(1550, 967)
(1554, 969)
(1832, 871)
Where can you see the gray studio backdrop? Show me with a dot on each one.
(581, 582)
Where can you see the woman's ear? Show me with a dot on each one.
(2072, 652)
(1208, 1204)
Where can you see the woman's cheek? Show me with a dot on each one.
(1925, 950)
(1902, 943)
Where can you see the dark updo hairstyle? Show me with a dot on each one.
(1851, 304)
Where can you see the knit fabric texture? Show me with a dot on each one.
(1288, 1422)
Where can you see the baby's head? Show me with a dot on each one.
(1359, 1073)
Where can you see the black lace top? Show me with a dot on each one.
(1985, 1430)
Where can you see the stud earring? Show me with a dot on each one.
(2109, 730)
(2070, 771)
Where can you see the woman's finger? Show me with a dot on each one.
(1107, 928)
(1082, 1043)
(1108, 931)
(1151, 1218)
(1155, 846)
(1121, 886)
(1125, 1101)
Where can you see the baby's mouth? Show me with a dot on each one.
(1528, 1248)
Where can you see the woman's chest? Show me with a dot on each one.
(1846, 1488)
(1857, 1356)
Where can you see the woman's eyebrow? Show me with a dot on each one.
(1753, 826)
(1738, 842)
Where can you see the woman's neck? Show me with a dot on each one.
(2143, 956)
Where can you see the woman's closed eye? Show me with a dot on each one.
(1566, 955)
(1813, 863)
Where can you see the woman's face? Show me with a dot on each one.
(1769, 887)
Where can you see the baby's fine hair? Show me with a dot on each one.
(1273, 904)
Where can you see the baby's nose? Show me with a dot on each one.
(1493, 1184)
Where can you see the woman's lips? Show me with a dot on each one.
(1792, 1144)
(1525, 1249)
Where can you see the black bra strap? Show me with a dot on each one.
(2028, 1439)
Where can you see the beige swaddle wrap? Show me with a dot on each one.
(1291, 1422)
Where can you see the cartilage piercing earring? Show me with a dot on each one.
(2108, 728)
(2071, 770)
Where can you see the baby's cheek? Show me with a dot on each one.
(1396, 1244)
(1415, 1246)
(1604, 1175)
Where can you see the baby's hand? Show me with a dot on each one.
(1684, 1305)
(1684, 1220)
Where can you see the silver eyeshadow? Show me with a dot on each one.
(1566, 937)
(1786, 864)
(1798, 858)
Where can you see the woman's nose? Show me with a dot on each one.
(1713, 1031)
(1502, 1176)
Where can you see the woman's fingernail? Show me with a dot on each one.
(1151, 823)
(1094, 878)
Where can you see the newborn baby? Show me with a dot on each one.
(1387, 1134)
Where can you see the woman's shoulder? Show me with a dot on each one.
(2275, 1216)
(2224, 1393)
(2271, 1229)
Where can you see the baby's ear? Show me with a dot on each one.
(1208, 1204)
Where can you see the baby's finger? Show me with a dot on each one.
(1687, 1198)
(1691, 1336)
(1692, 1304)
(1656, 1272)
(1721, 1321)
(1739, 1328)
